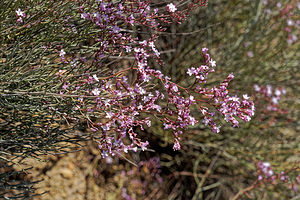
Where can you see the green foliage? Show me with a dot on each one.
(34, 119)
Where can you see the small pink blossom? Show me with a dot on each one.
(176, 144)
(95, 77)
(20, 13)
(20, 20)
(96, 91)
(290, 22)
(250, 54)
(204, 50)
(278, 4)
(245, 96)
(62, 53)
(190, 71)
(256, 88)
(212, 63)
(109, 115)
(171, 7)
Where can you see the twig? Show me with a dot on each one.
(208, 171)
(131, 162)
(241, 192)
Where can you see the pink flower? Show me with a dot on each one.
(204, 50)
(245, 96)
(66, 86)
(96, 91)
(250, 54)
(212, 63)
(290, 22)
(109, 115)
(278, 4)
(176, 145)
(62, 53)
(269, 90)
(256, 88)
(171, 7)
(20, 13)
(95, 77)
(20, 20)
(175, 88)
(191, 71)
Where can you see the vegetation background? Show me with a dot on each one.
(248, 38)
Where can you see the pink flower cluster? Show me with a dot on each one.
(218, 97)
(291, 26)
(124, 106)
(296, 184)
(115, 20)
(271, 95)
(121, 117)
(20, 15)
(171, 7)
(266, 174)
(288, 13)
(265, 170)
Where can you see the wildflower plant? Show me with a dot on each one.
(65, 78)
(127, 104)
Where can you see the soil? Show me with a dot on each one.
(85, 175)
(68, 176)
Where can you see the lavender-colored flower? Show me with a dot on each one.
(256, 88)
(20, 13)
(212, 63)
(20, 20)
(245, 96)
(278, 4)
(62, 53)
(176, 145)
(269, 90)
(191, 71)
(96, 91)
(290, 22)
(171, 7)
(95, 77)
(250, 54)
(116, 29)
